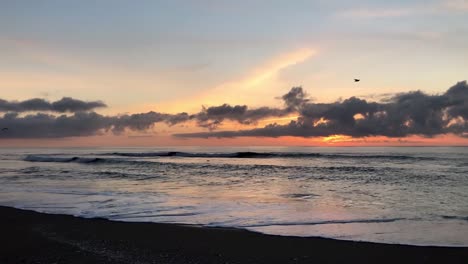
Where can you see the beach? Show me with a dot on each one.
(31, 237)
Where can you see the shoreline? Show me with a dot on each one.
(32, 237)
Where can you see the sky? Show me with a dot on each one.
(98, 69)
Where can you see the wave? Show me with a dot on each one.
(37, 158)
(92, 160)
(454, 217)
(161, 168)
(246, 154)
(327, 222)
(258, 155)
(119, 217)
(110, 160)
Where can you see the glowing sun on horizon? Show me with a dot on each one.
(337, 138)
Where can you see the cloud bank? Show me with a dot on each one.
(400, 115)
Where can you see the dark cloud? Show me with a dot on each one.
(79, 124)
(49, 126)
(144, 121)
(212, 117)
(413, 113)
(457, 96)
(295, 98)
(63, 105)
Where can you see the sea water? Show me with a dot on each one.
(405, 195)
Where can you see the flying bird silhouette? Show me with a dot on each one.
(5, 129)
(357, 80)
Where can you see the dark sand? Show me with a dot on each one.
(30, 237)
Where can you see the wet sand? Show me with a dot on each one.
(30, 237)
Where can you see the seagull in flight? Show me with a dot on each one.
(357, 80)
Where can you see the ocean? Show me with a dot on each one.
(403, 195)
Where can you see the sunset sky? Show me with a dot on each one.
(177, 56)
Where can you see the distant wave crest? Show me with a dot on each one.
(37, 158)
(249, 154)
